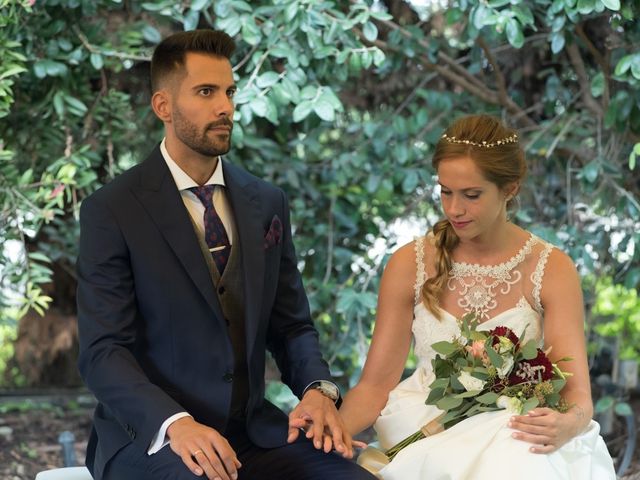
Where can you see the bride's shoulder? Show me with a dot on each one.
(407, 257)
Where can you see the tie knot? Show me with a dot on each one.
(204, 194)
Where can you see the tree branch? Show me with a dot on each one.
(600, 60)
(500, 82)
(454, 73)
(573, 52)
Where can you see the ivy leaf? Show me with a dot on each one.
(324, 110)
(514, 33)
(612, 4)
(597, 85)
(623, 65)
(557, 42)
(302, 110)
(96, 60)
(370, 31)
(259, 106)
(267, 79)
(151, 34)
(623, 409)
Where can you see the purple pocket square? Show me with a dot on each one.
(274, 234)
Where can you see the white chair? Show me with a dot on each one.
(68, 473)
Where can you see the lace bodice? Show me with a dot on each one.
(505, 294)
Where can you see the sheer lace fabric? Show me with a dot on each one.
(481, 447)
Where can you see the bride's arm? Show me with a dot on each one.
(562, 300)
(390, 343)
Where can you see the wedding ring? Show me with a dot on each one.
(196, 453)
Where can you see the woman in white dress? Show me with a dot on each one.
(476, 260)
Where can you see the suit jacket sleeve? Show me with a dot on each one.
(292, 337)
(108, 322)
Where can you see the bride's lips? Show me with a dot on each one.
(459, 225)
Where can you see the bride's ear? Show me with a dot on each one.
(511, 190)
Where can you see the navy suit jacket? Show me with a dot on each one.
(153, 340)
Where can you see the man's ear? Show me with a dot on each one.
(161, 104)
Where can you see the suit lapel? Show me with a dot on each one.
(247, 212)
(162, 200)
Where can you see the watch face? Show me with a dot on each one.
(329, 389)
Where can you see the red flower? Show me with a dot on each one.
(535, 370)
(504, 332)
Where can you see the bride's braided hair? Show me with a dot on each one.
(496, 151)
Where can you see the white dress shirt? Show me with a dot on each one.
(196, 210)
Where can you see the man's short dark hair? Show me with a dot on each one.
(169, 55)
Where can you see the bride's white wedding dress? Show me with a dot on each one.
(481, 447)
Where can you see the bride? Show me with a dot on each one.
(476, 261)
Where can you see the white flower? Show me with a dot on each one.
(511, 404)
(504, 345)
(507, 365)
(470, 382)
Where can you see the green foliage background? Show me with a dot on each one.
(340, 103)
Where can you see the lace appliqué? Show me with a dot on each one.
(421, 275)
(478, 283)
(536, 276)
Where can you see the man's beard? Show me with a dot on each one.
(202, 142)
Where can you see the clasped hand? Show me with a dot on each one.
(547, 430)
(316, 415)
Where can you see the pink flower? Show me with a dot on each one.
(476, 348)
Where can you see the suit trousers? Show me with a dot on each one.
(296, 461)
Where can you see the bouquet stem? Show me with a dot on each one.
(431, 428)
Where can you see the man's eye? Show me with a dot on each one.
(205, 92)
(445, 192)
(231, 93)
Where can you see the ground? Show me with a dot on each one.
(31, 423)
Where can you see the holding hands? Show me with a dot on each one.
(317, 415)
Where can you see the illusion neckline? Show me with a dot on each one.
(527, 307)
(514, 260)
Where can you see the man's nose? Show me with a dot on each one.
(225, 106)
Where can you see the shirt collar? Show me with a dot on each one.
(184, 181)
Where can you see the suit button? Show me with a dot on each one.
(221, 290)
(228, 377)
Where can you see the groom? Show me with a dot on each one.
(187, 275)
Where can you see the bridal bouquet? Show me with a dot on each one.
(483, 371)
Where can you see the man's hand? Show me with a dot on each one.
(203, 449)
(317, 415)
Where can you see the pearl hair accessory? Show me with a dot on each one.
(503, 141)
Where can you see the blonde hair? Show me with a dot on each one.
(481, 138)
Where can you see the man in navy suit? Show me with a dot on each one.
(187, 276)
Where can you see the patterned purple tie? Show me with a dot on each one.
(214, 233)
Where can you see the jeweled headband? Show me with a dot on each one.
(503, 141)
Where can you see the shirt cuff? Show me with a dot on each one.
(160, 439)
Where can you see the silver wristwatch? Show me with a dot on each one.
(328, 389)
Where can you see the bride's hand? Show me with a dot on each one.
(546, 429)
